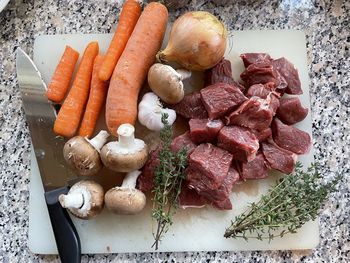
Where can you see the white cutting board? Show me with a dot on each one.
(193, 229)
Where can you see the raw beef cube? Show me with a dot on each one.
(262, 135)
(181, 141)
(253, 58)
(189, 198)
(208, 167)
(265, 92)
(239, 141)
(260, 90)
(259, 73)
(274, 101)
(290, 74)
(255, 169)
(290, 138)
(254, 113)
(278, 158)
(145, 180)
(223, 205)
(291, 111)
(223, 192)
(221, 72)
(191, 107)
(221, 98)
(204, 130)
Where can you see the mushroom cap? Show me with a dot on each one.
(81, 156)
(125, 201)
(120, 161)
(166, 83)
(93, 195)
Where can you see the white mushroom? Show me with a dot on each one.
(126, 199)
(126, 154)
(151, 110)
(82, 154)
(166, 82)
(84, 200)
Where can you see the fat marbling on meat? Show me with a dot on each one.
(204, 130)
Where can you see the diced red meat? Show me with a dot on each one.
(220, 99)
(204, 130)
(290, 138)
(221, 72)
(253, 58)
(259, 73)
(260, 90)
(191, 107)
(278, 158)
(223, 192)
(189, 198)
(208, 167)
(265, 92)
(145, 180)
(254, 113)
(263, 73)
(239, 141)
(291, 111)
(182, 141)
(274, 101)
(290, 74)
(223, 205)
(255, 169)
(262, 135)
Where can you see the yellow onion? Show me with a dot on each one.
(197, 41)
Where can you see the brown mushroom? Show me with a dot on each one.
(84, 200)
(127, 154)
(126, 199)
(166, 82)
(82, 154)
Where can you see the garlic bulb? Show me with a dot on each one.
(151, 110)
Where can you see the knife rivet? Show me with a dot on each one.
(39, 153)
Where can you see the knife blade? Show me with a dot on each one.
(48, 148)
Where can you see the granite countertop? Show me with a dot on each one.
(326, 24)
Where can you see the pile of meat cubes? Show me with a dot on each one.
(238, 131)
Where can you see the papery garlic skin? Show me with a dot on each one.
(151, 110)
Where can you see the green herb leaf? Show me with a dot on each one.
(294, 200)
(168, 178)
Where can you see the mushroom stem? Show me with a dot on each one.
(126, 135)
(184, 73)
(99, 140)
(130, 179)
(72, 200)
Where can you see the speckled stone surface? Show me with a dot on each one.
(327, 27)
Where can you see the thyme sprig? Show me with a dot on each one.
(168, 179)
(294, 200)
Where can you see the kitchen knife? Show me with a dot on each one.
(48, 148)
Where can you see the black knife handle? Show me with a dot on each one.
(66, 236)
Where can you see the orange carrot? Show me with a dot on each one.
(127, 21)
(68, 118)
(133, 65)
(60, 80)
(97, 96)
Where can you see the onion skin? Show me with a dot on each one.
(197, 41)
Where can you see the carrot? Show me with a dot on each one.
(68, 118)
(127, 21)
(133, 65)
(60, 80)
(97, 96)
